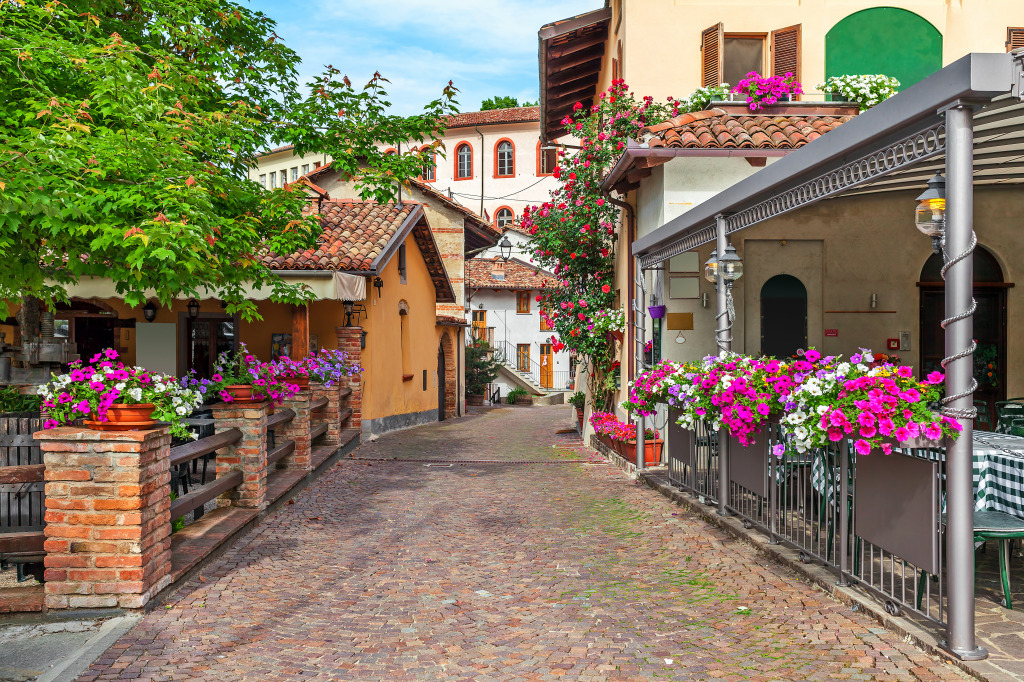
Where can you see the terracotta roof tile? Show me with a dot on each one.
(515, 115)
(355, 233)
(717, 129)
(518, 275)
(453, 321)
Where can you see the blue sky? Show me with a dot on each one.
(487, 47)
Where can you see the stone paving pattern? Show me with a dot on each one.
(401, 571)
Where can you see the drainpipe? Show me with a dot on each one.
(477, 128)
(630, 267)
(399, 184)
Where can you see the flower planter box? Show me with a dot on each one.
(524, 400)
(652, 451)
(475, 400)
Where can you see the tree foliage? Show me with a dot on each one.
(507, 102)
(128, 130)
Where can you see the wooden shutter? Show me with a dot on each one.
(785, 51)
(1014, 38)
(712, 42)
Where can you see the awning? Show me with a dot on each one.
(896, 145)
(323, 287)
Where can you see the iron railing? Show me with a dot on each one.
(508, 354)
(808, 501)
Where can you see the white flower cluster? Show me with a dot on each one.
(865, 90)
(609, 320)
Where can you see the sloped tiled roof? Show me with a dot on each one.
(518, 275)
(717, 129)
(516, 226)
(476, 118)
(450, 321)
(355, 233)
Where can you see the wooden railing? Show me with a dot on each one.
(183, 454)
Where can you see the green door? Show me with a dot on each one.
(884, 40)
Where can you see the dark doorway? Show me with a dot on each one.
(783, 316)
(206, 338)
(989, 324)
(441, 393)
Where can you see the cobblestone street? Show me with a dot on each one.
(554, 569)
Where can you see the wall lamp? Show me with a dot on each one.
(149, 311)
(378, 284)
(193, 308)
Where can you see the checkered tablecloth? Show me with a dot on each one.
(998, 473)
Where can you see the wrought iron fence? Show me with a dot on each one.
(891, 545)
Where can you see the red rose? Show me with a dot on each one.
(606, 289)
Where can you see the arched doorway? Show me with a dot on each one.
(447, 388)
(989, 323)
(885, 40)
(783, 316)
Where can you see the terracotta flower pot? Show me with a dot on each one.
(242, 393)
(579, 417)
(652, 451)
(301, 382)
(124, 417)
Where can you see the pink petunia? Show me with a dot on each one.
(862, 447)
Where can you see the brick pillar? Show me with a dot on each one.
(348, 341)
(108, 516)
(297, 430)
(329, 412)
(248, 455)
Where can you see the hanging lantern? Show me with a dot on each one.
(930, 216)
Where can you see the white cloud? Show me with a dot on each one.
(486, 47)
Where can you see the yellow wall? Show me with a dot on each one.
(661, 39)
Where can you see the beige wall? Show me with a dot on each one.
(658, 33)
(855, 247)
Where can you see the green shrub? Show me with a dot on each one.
(578, 400)
(514, 394)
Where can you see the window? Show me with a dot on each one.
(684, 275)
(523, 357)
(1014, 38)
(305, 169)
(545, 312)
(547, 159)
(401, 264)
(263, 179)
(316, 164)
(427, 174)
(729, 57)
(463, 162)
(523, 302)
(295, 173)
(479, 318)
(273, 179)
(504, 216)
(504, 159)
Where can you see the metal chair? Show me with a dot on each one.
(994, 525)
(1016, 427)
(1006, 411)
(983, 421)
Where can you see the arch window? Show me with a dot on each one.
(504, 159)
(504, 217)
(463, 161)
(428, 174)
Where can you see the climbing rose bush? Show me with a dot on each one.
(573, 234)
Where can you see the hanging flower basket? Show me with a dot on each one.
(657, 311)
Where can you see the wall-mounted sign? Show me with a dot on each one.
(831, 332)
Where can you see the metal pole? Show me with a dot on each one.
(844, 512)
(724, 339)
(959, 365)
(638, 360)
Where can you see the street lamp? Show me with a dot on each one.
(930, 217)
(732, 265)
(506, 249)
(193, 308)
(711, 268)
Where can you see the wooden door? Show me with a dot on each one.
(547, 362)
(441, 368)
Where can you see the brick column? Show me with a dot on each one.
(108, 516)
(248, 455)
(348, 341)
(297, 430)
(328, 413)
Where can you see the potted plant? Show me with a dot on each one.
(610, 323)
(652, 447)
(867, 91)
(578, 400)
(113, 397)
(325, 367)
(518, 396)
(240, 377)
(762, 91)
(481, 369)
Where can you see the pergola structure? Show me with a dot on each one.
(966, 120)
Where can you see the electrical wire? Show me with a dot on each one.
(477, 196)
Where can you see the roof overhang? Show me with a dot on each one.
(896, 145)
(638, 161)
(571, 53)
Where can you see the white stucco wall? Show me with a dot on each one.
(516, 328)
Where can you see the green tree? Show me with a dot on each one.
(481, 367)
(127, 132)
(508, 102)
